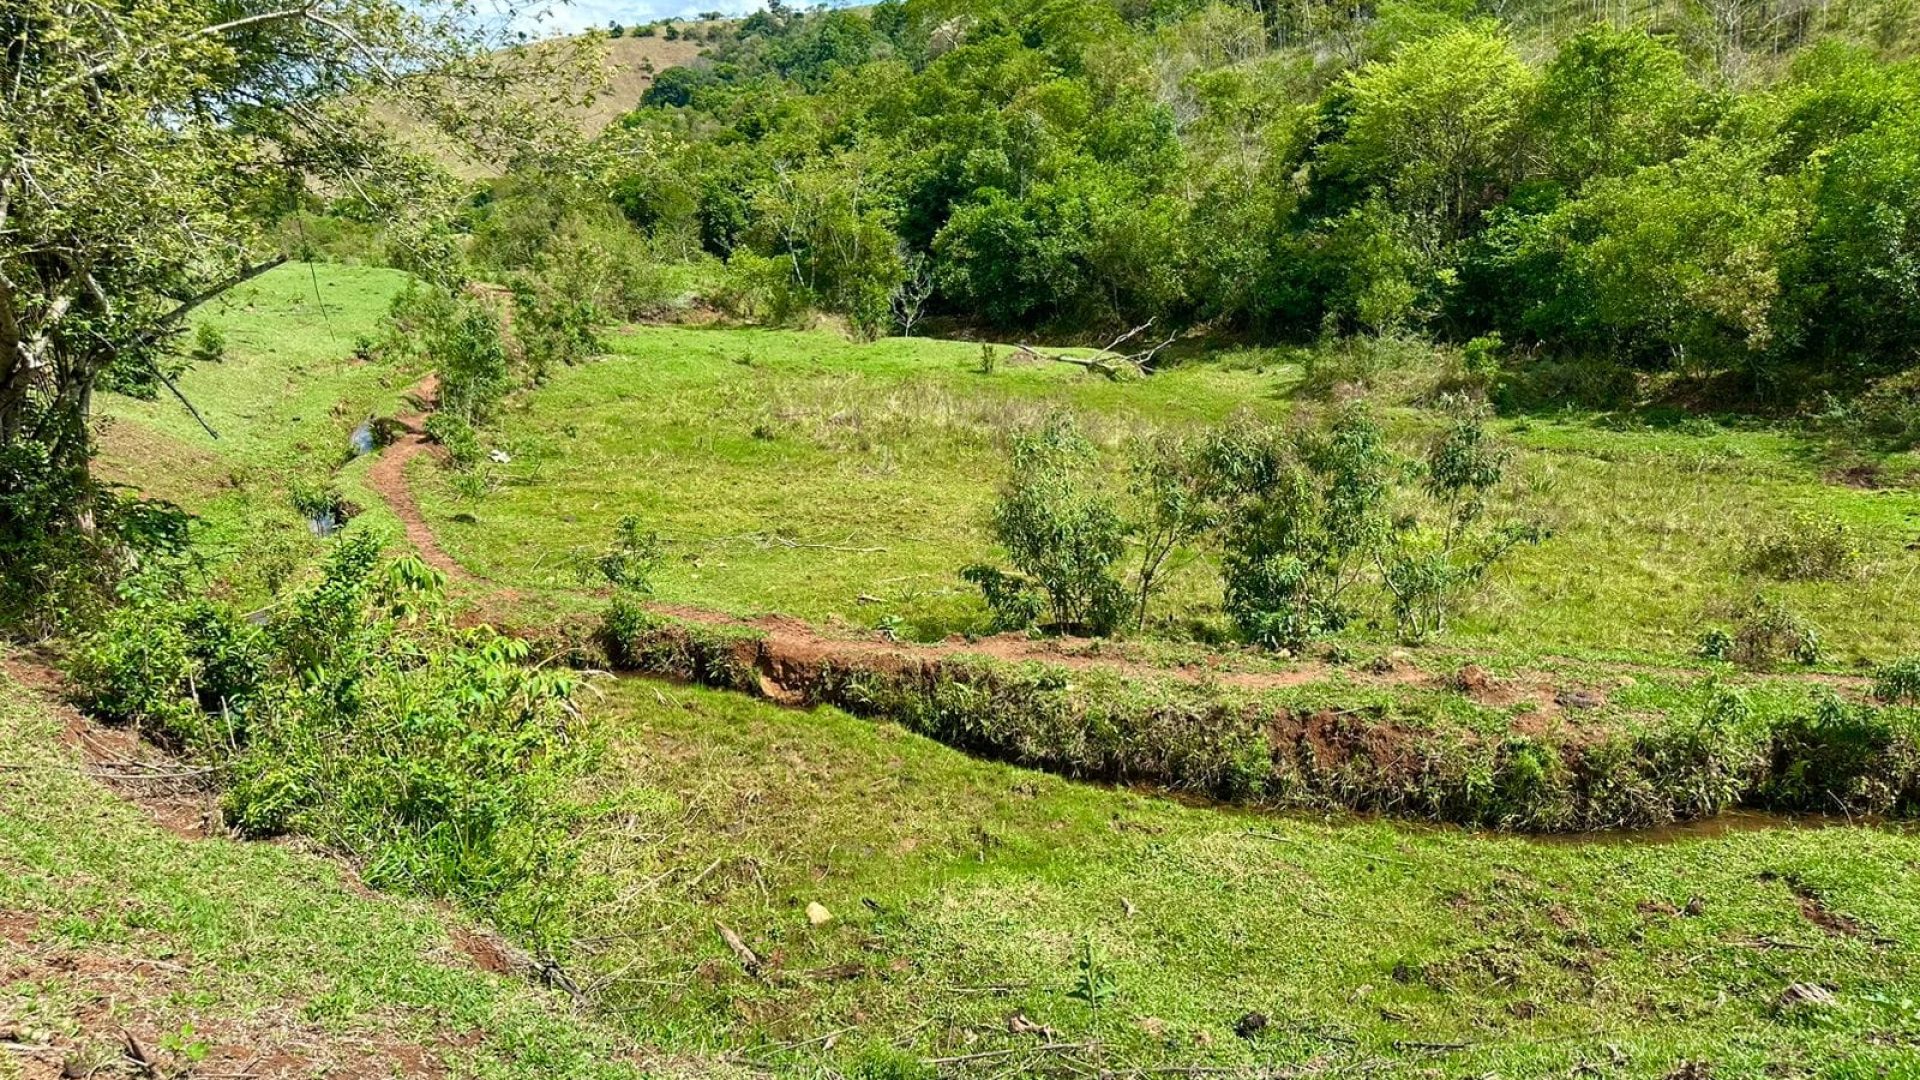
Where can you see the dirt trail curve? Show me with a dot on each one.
(388, 477)
(793, 647)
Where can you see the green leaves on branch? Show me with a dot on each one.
(354, 711)
(1305, 521)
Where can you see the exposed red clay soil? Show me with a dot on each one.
(388, 478)
(175, 795)
(792, 650)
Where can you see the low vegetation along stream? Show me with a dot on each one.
(960, 538)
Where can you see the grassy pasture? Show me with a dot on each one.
(964, 892)
(800, 473)
(230, 958)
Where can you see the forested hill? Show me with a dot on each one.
(1709, 186)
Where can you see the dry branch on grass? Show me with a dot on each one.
(1106, 361)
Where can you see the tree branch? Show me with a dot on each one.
(246, 274)
(105, 66)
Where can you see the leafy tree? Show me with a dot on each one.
(1613, 100)
(143, 143)
(1438, 126)
(1677, 265)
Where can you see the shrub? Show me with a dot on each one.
(553, 325)
(1301, 516)
(1012, 600)
(1171, 506)
(1061, 529)
(629, 561)
(1898, 682)
(1888, 413)
(1430, 561)
(67, 543)
(361, 716)
(1765, 632)
(209, 345)
(1843, 757)
(457, 437)
(1806, 547)
(461, 338)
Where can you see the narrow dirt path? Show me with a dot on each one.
(388, 478)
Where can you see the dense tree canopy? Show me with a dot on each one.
(1705, 189)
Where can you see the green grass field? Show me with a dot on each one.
(963, 893)
(800, 473)
(223, 957)
(1126, 932)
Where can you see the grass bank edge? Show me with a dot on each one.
(1301, 752)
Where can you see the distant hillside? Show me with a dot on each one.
(632, 63)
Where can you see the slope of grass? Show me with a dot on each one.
(233, 956)
(285, 401)
(800, 473)
(964, 893)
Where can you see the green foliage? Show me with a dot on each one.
(209, 344)
(1431, 561)
(1171, 507)
(1694, 762)
(1843, 757)
(460, 337)
(359, 715)
(1093, 985)
(1628, 203)
(1613, 100)
(65, 541)
(1302, 515)
(1898, 682)
(1438, 126)
(150, 153)
(1765, 632)
(1061, 529)
(630, 560)
(1804, 547)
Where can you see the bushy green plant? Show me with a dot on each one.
(359, 715)
(1842, 757)
(553, 325)
(1171, 506)
(67, 543)
(460, 337)
(209, 344)
(1805, 547)
(1302, 515)
(1765, 632)
(629, 561)
(1429, 562)
(1061, 529)
(456, 435)
(1898, 682)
